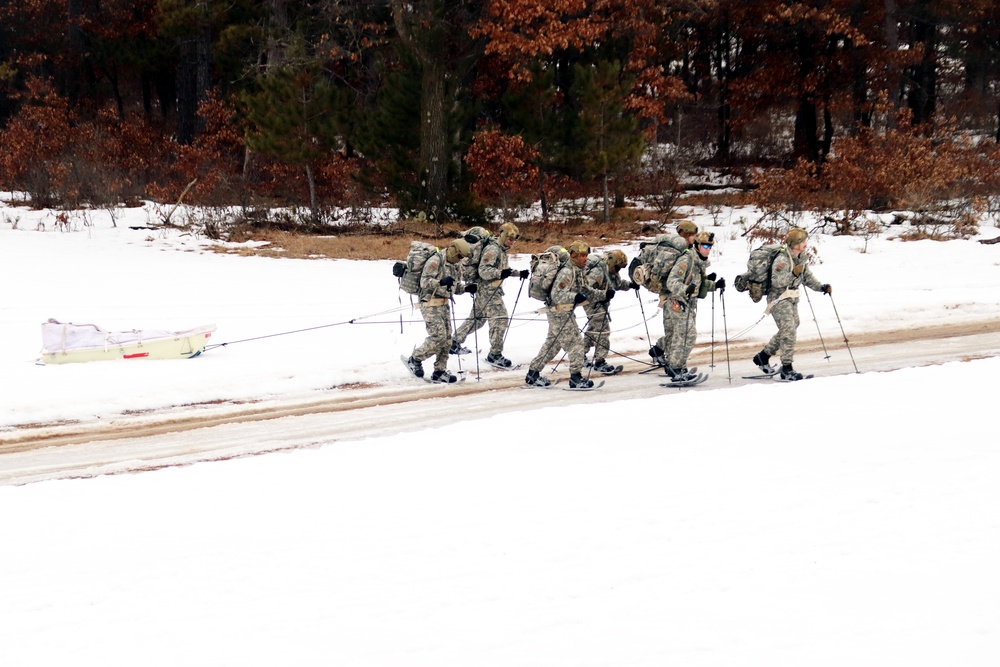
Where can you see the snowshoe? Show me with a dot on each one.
(788, 374)
(603, 367)
(680, 375)
(577, 381)
(533, 379)
(443, 377)
(762, 361)
(415, 367)
(498, 360)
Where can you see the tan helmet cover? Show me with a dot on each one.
(617, 260)
(795, 236)
(686, 227)
(457, 250)
(579, 248)
(508, 234)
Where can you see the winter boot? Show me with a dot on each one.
(602, 366)
(789, 374)
(678, 374)
(458, 348)
(416, 367)
(657, 353)
(577, 381)
(444, 377)
(536, 380)
(498, 360)
(762, 361)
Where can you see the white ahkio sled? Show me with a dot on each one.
(63, 343)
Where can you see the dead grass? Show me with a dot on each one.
(393, 242)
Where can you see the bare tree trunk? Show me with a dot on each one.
(434, 153)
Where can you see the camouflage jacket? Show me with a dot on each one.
(492, 263)
(567, 284)
(435, 270)
(599, 279)
(783, 276)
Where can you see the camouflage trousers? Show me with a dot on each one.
(564, 334)
(487, 306)
(597, 333)
(786, 316)
(679, 332)
(438, 342)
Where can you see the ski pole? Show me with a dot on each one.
(818, 332)
(711, 363)
(642, 309)
(846, 344)
(513, 308)
(725, 330)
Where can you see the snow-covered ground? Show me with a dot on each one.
(851, 519)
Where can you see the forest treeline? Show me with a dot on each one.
(445, 107)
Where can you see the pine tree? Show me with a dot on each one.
(293, 116)
(608, 142)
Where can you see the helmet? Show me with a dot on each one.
(795, 236)
(457, 249)
(476, 235)
(617, 260)
(508, 233)
(579, 248)
(687, 227)
(705, 237)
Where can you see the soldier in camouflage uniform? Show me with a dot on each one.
(488, 305)
(686, 231)
(437, 285)
(686, 283)
(789, 271)
(568, 291)
(602, 279)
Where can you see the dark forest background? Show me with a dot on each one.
(445, 107)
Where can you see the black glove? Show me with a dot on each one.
(827, 289)
(634, 286)
(720, 284)
(524, 274)
(711, 276)
(579, 298)
(690, 290)
(471, 288)
(447, 281)
(505, 274)
(610, 294)
(398, 269)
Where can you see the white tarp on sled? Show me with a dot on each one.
(64, 342)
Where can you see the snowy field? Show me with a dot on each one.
(848, 520)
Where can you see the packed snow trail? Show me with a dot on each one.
(189, 434)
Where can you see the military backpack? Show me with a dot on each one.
(757, 279)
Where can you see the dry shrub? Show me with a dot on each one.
(504, 170)
(938, 174)
(214, 161)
